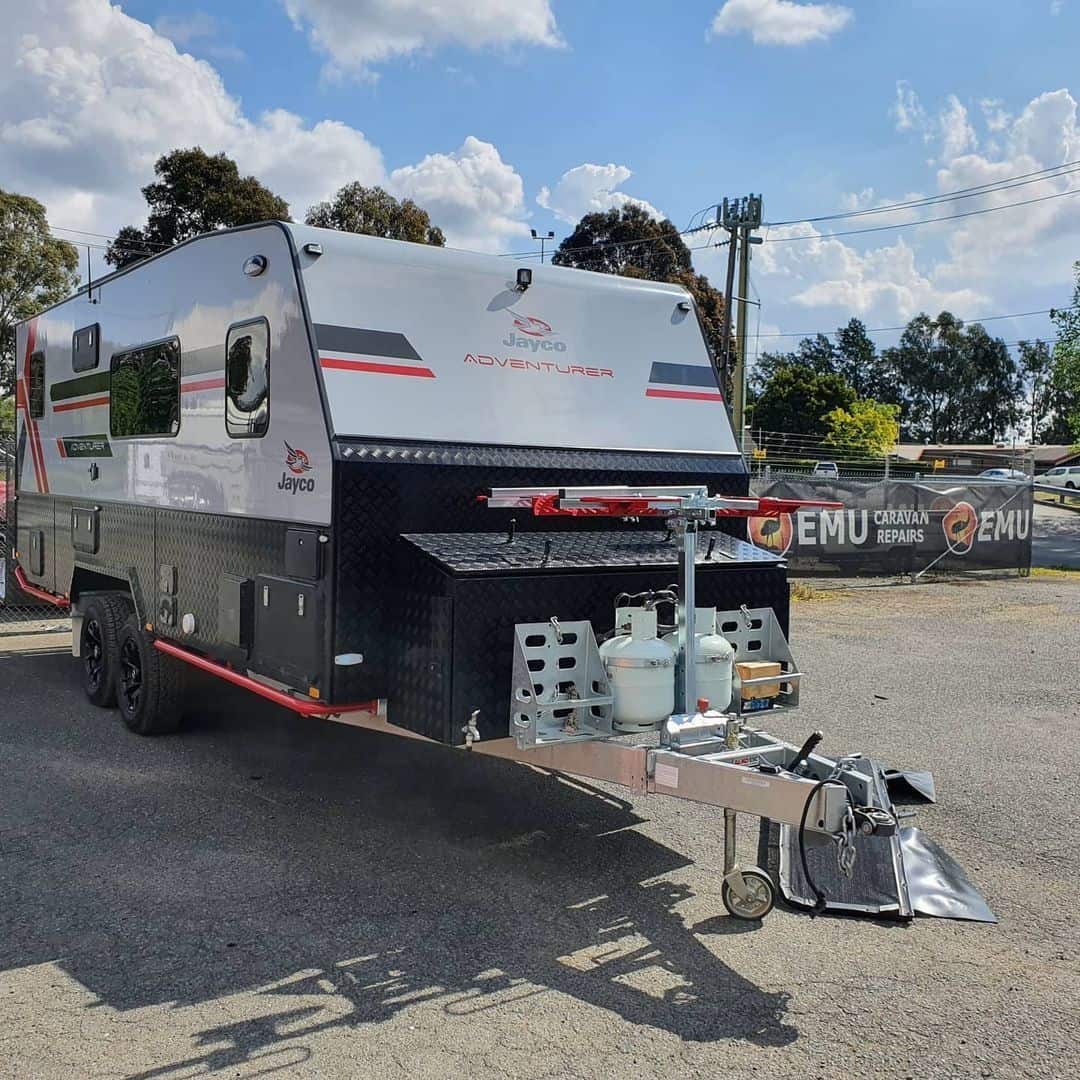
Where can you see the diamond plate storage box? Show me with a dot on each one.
(467, 591)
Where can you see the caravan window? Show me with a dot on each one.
(84, 348)
(247, 379)
(145, 390)
(36, 379)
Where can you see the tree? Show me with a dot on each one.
(1065, 373)
(7, 416)
(954, 384)
(613, 241)
(194, 193)
(36, 270)
(375, 212)
(796, 399)
(865, 429)
(1036, 367)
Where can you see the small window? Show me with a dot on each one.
(247, 379)
(145, 390)
(36, 379)
(84, 348)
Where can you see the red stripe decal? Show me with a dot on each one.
(203, 384)
(690, 395)
(36, 453)
(336, 364)
(61, 447)
(86, 403)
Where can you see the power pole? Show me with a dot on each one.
(740, 217)
(542, 237)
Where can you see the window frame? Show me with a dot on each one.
(95, 328)
(172, 338)
(258, 320)
(37, 359)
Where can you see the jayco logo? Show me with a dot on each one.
(534, 334)
(297, 463)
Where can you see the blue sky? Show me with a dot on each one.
(478, 108)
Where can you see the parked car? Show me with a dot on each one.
(826, 468)
(1067, 476)
(1003, 474)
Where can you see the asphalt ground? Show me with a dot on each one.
(268, 895)
(1055, 536)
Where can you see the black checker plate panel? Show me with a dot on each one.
(383, 492)
(490, 553)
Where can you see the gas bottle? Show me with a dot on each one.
(715, 658)
(641, 670)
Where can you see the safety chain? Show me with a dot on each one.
(846, 852)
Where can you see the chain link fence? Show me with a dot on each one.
(18, 612)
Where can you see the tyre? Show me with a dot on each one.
(1069, 484)
(759, 902)
(149, 685)
(99, 647)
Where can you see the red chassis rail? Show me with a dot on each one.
(39, 594)
(303, 706)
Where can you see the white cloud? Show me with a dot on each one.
(472, 194)
(956, 133)
(1056, 6)
(781, 22)
(94, 97)
(1017, 259)
(587, 189)
(358, 34)
(907, 110)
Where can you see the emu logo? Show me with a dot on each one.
(297, 462)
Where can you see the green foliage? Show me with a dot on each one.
(955, 384)
(1065, 370)
(625, 240)
(1036, 369)
(7, 416)
(36, 270)
(866, 429)
(796, 400)
(375, 212)
(194, 193)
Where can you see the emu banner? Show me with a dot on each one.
(900, 526)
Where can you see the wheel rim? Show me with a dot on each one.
(130, 675)
(758, 902)
(93, 651)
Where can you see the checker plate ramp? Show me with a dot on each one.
(895, 876)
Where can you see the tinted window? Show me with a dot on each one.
(247, 379)
(145, 390)
(84, 348)
(36, 378)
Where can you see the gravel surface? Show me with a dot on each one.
(1055, 536)
(265, 894)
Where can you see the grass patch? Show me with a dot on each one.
(1055, 572)
(803, 591)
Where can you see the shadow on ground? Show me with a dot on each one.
(260, 851)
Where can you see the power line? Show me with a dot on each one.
(1004, 184)
(885, 329)
(922, 221)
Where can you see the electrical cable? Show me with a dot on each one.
(819, 896)
(923, 221)
(989, 188)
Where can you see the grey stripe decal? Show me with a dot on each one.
(211, 358)
(683, 375)
(365, 342)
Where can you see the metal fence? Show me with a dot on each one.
(17, 610)
(777, 455)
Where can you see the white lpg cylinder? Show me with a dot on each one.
(641, 670)
(715, 659)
